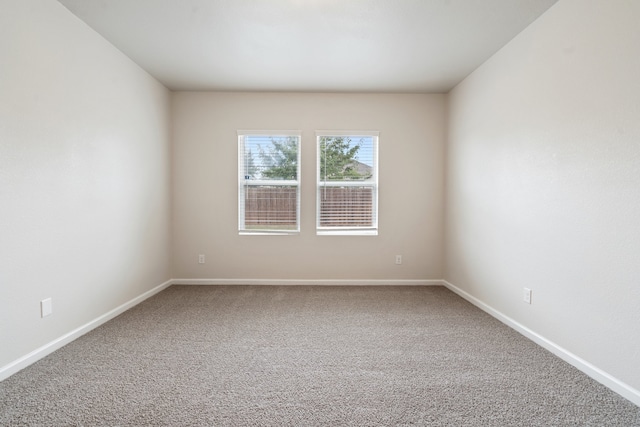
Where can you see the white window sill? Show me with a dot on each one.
(268, 233)
(347, 232)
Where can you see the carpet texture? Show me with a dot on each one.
(306, 356)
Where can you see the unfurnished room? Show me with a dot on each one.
(319, 212)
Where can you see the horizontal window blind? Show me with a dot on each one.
(268, 182)
(347, 199)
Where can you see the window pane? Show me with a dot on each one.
(346, 158)
(271, 207)
(271, 157)
(346, 207)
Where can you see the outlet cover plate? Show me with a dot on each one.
(46, 307)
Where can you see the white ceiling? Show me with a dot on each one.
(309, 45)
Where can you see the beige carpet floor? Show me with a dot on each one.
(306, 356)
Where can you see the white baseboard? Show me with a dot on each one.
(594, 372)
(37, 354)
(322, 282)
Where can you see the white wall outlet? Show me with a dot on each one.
(398, 259)
(201, 259)
(526, 295)
(46, 307)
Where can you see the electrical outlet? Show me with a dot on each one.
(398, 259)
(46, 307)
(526, 295)
(201, 259)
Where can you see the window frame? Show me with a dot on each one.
(243, 183)
(372, 182)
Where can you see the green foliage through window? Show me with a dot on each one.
(339, 159)
(280, 161)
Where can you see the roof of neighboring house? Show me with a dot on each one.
(362, 168)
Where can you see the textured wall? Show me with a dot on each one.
(543, 182)
(84, 176)
(205, 187)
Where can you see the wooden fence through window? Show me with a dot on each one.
(346, 206)
(270, 207)
(275, 207)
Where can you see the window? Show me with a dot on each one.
(347, 199)
(268, 182)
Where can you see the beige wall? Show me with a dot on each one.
(84, 177)
(205, 187)
(543, 183)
